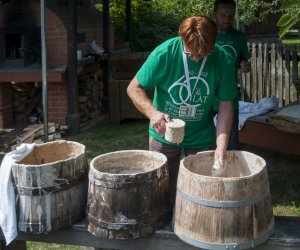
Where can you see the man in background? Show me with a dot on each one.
(235, 43)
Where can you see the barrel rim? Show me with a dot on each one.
(163, 157)
(225, 179)
(82, 153)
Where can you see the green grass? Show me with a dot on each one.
(47, 246)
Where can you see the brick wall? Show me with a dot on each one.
(57, 51)
(89, 23)
(6, 105)
(57, 102)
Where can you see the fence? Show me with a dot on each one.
(274, 71)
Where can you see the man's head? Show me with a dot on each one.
(224, 12)
(198, 34)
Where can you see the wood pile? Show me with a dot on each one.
(26, 99)
(34, 133)
(90, 95)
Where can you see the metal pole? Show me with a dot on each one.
(44, 71)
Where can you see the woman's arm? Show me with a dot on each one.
(142, 102)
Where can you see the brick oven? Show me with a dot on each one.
(20, 57)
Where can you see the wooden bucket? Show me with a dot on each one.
(128, 194)
(51, 186)
(231, 212)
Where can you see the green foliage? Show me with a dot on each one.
(291, 17)
(253, 11)
(154, 21)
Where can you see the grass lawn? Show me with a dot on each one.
(283, 170)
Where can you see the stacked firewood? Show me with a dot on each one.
(34, 133)
(26, 101)
(90, 94)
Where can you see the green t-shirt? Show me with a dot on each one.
(235, 43)
(164, 72)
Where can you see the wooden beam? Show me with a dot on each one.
(73, 117)
(105, 62)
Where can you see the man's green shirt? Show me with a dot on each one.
(235, 43)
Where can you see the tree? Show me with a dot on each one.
(291, 17)
(154, 21)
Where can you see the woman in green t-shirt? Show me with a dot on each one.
(187, 74)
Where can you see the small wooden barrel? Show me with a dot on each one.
(231, 212)
(128, 194)
(51, 186)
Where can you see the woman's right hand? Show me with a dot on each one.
(158, 122)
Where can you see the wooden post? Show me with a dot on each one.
(254, 75)
(242, 80)
(266, 71)
(287, 75)
(273, 70)
(248, 81)
(280, 75)
(73, 117)
(260, 93)
(114, 103)
(295, 74)
(105, 63)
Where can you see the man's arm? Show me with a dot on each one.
(141, 101)
(224, 125)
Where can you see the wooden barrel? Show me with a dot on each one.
(128, 195)
(51, 186)
(230, 212)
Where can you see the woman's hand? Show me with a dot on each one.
(220, 154)
(158, 121)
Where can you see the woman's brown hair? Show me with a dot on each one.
(198, 34)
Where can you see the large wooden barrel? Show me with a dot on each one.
(51, 186)
(230, 212)
(128, 194)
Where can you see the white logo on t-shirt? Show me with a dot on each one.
(196, 97)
